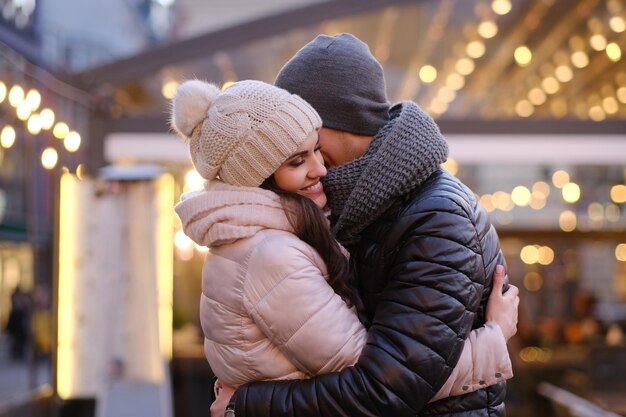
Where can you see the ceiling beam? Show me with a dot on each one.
(152, 60)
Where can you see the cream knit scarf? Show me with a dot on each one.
(223, 213)
(404, 153)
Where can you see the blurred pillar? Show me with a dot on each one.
(115, 291)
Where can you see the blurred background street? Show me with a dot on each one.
(99, 286)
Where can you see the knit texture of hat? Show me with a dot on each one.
(341, 79)
(242, 134)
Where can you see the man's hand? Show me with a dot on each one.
(502, 308)
(224, 392)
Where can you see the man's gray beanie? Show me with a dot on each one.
(341, 79)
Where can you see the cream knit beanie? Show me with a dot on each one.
(244, 133)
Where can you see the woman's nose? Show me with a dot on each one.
(318, 169)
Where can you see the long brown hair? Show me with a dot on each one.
(310, 225)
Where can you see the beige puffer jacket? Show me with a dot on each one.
(266, 309)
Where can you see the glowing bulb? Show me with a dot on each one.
(16, 95)
(3, 91)
(522, 55)
(33, 98)
(560, 178)
(47, 118)
(571, 192)
(60, 130)
(7, 137)
(72, 141)
(49, 158)
(34, 124)
(428, 74)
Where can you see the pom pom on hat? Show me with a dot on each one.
(244, 133)
(191, 105)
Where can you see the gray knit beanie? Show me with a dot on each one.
(341, 79)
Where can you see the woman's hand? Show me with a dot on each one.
(502, 308)
(223, 394)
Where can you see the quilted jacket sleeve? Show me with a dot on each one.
(424, 314)
(289, 299)
(484, 361)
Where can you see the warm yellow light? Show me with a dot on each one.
(533, 282)
(201, 249)
(66, 285)
(520, 196)
(60, 130)
(428, 74)
(529, 254)
(34, 124)
(550, 85)
(49, 158)
(3, 91)
(168, 89)
(47, 118)
(559, 107)
(33, 98)
(502, 201)
(23, 111)
(595, 211)
(617, 24)
(437, 106)
(621, 94)
(610, 105)
(612, 213)
(560, 178)
(501, 7)
(580, 59)
(597, 42)
(227, 84)
(487, 29)
(546, 255)
(72, 141)
(567, 221)
(542, 188)
(451, 165)
(571, 192)
(537, 201)
(7, 137)
(596, 113)
(475, 49)
(16, 95)
(193, 181)
(80, 171)
(536, 96)
(564, 73)
(165, 256)
(614, 52)
(457, 81)
(618, 193)
(465, 66)
(446, 94)
(486, 202)
(522, 55)
(620, 252)
(524, 108)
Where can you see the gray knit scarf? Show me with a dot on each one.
(404, 153)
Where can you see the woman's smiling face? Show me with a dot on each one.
(301, 172)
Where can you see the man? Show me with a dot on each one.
(423, 249)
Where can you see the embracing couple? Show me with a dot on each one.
(348, 274)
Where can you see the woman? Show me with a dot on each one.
(277, 299)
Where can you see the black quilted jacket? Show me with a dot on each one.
(424, 270)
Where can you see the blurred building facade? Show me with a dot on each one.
(530, 93)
